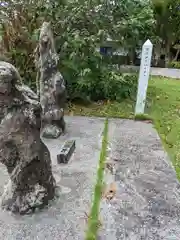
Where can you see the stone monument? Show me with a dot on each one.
(50, 84)
(22, 151)
(143, 77)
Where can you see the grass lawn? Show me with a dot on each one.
(163, 106)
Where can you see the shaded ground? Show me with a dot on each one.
(146, 205)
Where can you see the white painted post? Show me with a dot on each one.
(143, 77)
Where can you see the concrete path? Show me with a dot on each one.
(164, 72)
(65, 219)
(146, 205)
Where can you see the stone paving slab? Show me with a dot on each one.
(147, 202)
(65, 218)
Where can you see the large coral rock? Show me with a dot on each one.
(51, 87)
(22, 151)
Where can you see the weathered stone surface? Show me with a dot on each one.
(66, 152)
(65, 218)
(51, 84)
(51, 131)
(25, 156)
(147, 202)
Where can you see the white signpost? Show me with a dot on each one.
(143, 77)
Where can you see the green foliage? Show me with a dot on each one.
(119, 86)
(81, 65)
(19, 23)
(80, 27)
(174, 64)
(160, 6)
(167, 16)
(99, 83)
(134, 22)
(143, 117)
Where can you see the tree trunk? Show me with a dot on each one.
(157, 54)
(177, 54)
(132, 56)
(168, 55)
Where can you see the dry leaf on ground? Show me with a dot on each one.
(110, 191)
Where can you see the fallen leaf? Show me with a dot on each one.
(110, 191)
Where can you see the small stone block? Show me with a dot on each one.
(66, 152)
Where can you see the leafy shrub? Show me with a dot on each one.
(119, 86)
(174, 64)
(81, 64)
(88, 75)
(104, 84)
(18, 42)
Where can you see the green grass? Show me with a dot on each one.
(164, 95)
(93, 222)
(163, 107)
(104, 109)
(143, 117)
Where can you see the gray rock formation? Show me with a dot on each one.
(51, 85)
(25, 156)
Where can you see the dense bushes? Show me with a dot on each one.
(78, 33)
(174, 64)
(103, 84)
(88, 76)
(18, 42)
